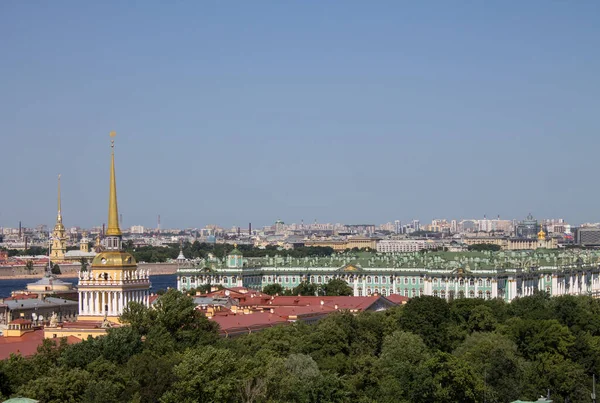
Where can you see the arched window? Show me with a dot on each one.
(368, 279)
(405, 280)
(461, 294)
(279, 279)
(383, 280)
(471, 282)
(471, 294)
(413, 292)
(383, 292)
(376, 279)
(326, 279)
(488, 282)
(435, 293)
(319, 279)
(435, 281)
(414, 280)
(287, 279)
(461, 282)
(270, 279)
(406, 292)
(377, 291)
(480, 282)
(368, 291)
(479, 294)
(312, 279)
(443, 293)
(421, 291)
(487, 295)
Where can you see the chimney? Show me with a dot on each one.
(250, 228)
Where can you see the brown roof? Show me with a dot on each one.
(20, 321)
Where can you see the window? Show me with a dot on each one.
(443, 293)
(414, 280)
(414, 292)
(377, 291)
(405, 280)
(479, 294)
(287, 279)
(471, 294)
(319, 279)
(383, 280)
(368, 279)
(480, 282)
(383, 292)
(488, 282)
(471, 282)
(461, 282)
(421, 291)
(326, 279)
(487, 295)
(435, 281)
(406, 292)
(435, 293)
(312, 279)
(368, 291)
(376, 279)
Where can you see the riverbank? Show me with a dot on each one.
(70, 270)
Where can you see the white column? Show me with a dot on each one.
(494, 288)
(447, 289)
(554, 284)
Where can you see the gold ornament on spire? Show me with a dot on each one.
(113, 209)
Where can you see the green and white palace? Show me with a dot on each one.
(504, 274)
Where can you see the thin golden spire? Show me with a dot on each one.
(113, 210)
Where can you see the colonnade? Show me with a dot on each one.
(112, 303)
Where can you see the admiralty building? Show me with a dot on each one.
(503, 274)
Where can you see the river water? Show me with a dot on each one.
(159, 282)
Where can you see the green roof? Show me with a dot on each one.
(235, 252)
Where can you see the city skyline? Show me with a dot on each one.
(240, 114)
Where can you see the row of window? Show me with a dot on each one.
(461, 281)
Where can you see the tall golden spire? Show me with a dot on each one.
(59, 217)
(113, 210)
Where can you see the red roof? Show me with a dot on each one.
(27, 344)
(397, 299)
(232, 324)
(351, 303)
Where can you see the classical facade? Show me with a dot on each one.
(59, 238)
(449, 275)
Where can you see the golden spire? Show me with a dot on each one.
(113, 210)
(59, 218)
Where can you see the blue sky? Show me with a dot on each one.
(340, 111)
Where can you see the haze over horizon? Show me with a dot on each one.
(346, 112)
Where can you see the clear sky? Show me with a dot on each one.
(341, 111)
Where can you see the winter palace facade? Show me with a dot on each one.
(504, 274)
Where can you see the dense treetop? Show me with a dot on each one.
(428, 350)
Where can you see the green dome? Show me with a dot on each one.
(235, 252)
(21, 400)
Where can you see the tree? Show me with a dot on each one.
(273, 289)
(484, 247)
(401, 367)
(496, 358)
(305, 288)
(84, 264)
(454, 380)
(55, 269)
(337, 287)
(29, 266)
(429, 317)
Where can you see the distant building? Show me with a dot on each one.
(587, 236)
(527, 228)
(406, 245)
(59, 239)
(137, 229)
